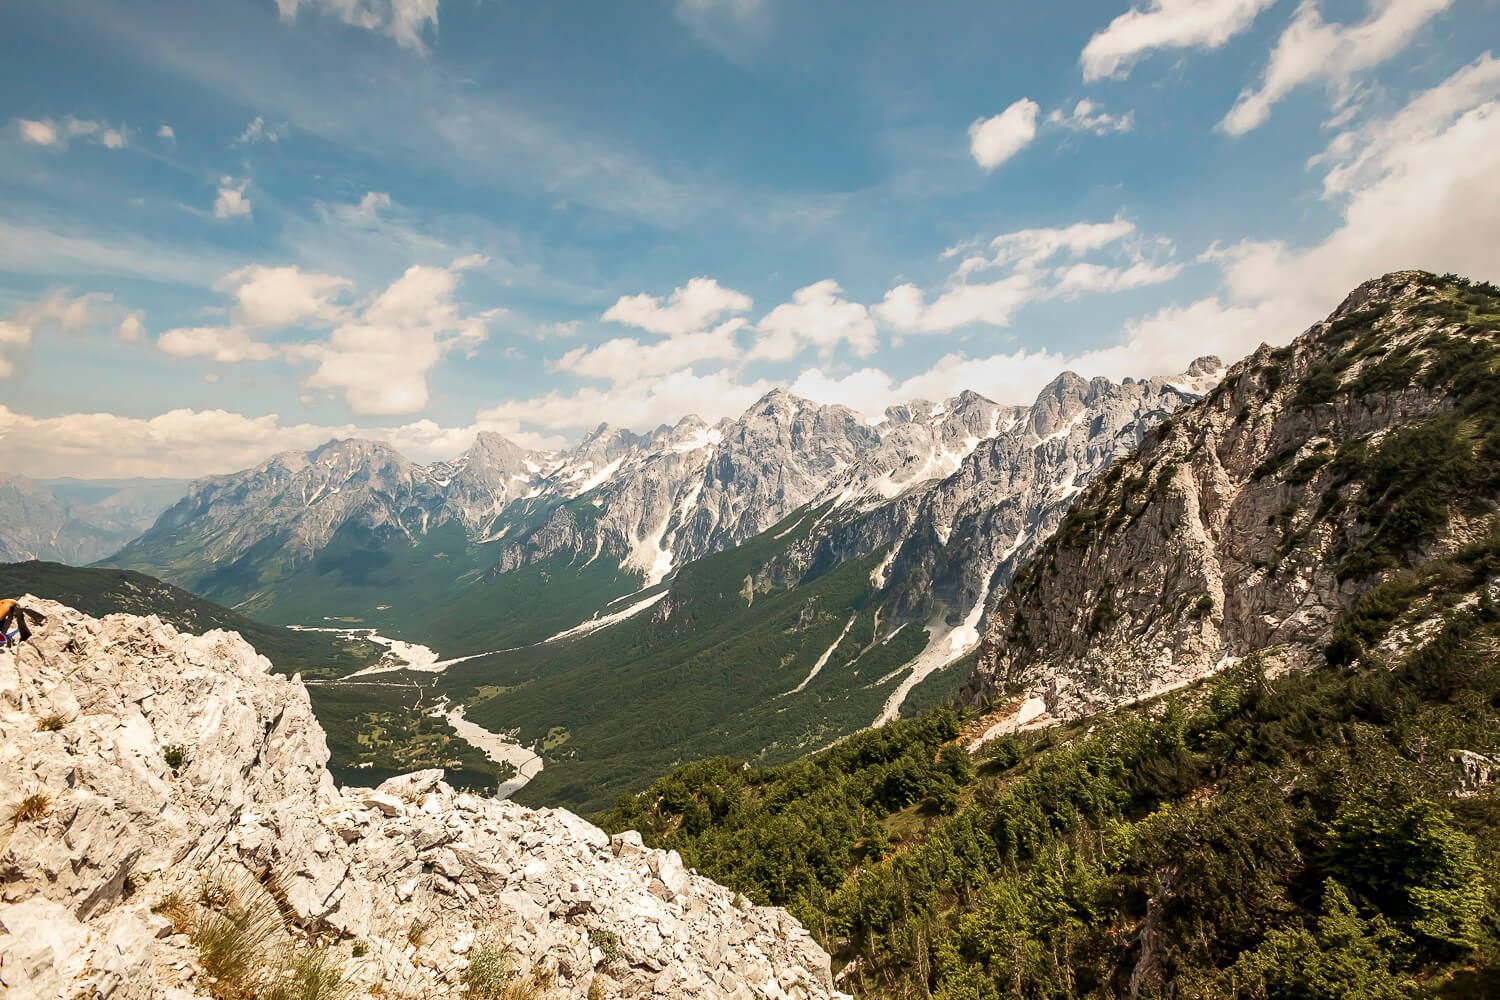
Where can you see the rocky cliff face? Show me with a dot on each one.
(158, 788)
(1257, 516)
(955, 541)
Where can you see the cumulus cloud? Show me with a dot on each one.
(1029, 260)
(626, 359)
(376, 353)
(994, 140)
(225, 344)
(378, 359)
(1087, 116)
(1413, 189)
(283, 296)
(166, 132)
(1311, 50)
(688, 309)
(818, 315)
(641, 404)
(1166, 24)
(404, 21)
(57, 134)
(231, 202)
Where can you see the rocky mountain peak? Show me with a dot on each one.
(180, 784)
(1268, 507)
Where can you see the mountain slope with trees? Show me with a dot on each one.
(1320, 818)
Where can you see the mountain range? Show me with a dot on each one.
(1157, 687)
(770, 582)
(75, 520)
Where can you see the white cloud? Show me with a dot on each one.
(370, 206)
(56, 135)
(905, 307)
(376, 354)
(224, 344)
(1413, 190)
(190, 443)
(688, 309)
(378, 359)
(42, 132)
(641, 404)
(258, 131)
(1166, 24)
(166, 132)
(1087, 116)
(1311, 50)
(283, 296)
(818, 315)
(231, 201)
(1084, 277)
(994, 140)
(1027, 255)
(62, 312)
(404, 21)
(625, 359)
(132, 328)
(1029, 248)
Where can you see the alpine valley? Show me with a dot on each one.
(1177, 686)
(765, 585)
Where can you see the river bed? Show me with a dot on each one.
(499, 748)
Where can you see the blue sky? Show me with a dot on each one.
(235, 227)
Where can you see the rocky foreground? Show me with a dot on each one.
(157, 787)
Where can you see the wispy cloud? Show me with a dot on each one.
(1166, 24)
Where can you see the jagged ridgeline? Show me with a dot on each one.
(768, 584)
(1309, 560)
(1254, 520)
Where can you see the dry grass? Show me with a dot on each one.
(178, 910)
(32, 808)
(50, 723)
(247, 951)
(234, 937)
(416, 934)
(308, 974)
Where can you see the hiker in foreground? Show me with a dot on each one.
(13, 622)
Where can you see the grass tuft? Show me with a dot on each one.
(50, 723)
(32, 808)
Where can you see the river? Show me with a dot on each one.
(499, 748)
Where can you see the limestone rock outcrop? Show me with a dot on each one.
(143, 770)
(1256, 517)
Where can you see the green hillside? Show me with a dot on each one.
(615, 708)
(438, 590)
(113, 591)
(1304, 836)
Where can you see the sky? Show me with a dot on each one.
(238, 227)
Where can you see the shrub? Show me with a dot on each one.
(488, 972)
(608, 943)
(173, 755)
(50, 723)
(490, 976)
